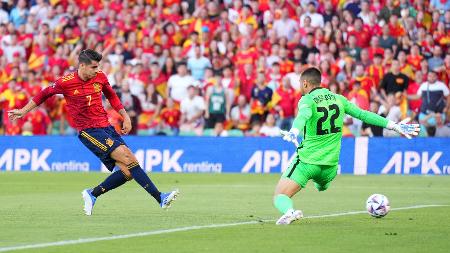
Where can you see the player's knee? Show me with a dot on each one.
(322, 188)
(287, 187)
(123, 155)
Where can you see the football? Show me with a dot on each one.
(378, 205)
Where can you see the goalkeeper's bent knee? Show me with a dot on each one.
(322, 188)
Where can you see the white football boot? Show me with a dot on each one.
(289, 217)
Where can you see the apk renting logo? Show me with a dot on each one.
(37, 160)
(425, 156)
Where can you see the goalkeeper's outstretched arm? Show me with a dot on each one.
(363, 115)
(374, 119)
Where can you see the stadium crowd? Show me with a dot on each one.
(229, 68)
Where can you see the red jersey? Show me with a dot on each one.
(376, 73)
(245, 57)
(84, 99)
(40, 121)
(171, 116)
(366, 82)
(287, 99)
(414, 105)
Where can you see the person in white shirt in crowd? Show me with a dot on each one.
(274, 55)
(11, 47)
(137, 86)
(316, 18)
(116, 58)
(192, 110)
(4, 17)
(285, 26)
(365, 12)
(294, 77)
(228, 82)
(178, 83)
(391, 108)
(269, 128)
(40, 9)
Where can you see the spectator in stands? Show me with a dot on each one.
(371, 130)
(414, 102)
(240, 114)
(287, 97)
(294, 77)
(178, 83)
(436, 61)
(217, 105)
(19, 13)
(405, 67)
(198, 64)
(442, 130)
(388, 10)
(41, 123)
(316, 18)
(192, 110)
(151, 108)
(309, 47)
(170, 118)
(261, 96)
(285, 26)
(132, 105)
(247, 79)
(40, 39)
(269, 128)
(391, 108)
(394, 81)
(386, 40)
(435, 99)
(353, 50)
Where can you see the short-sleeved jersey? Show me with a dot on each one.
(320, 119)
(84, 99)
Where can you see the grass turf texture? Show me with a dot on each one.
(47, 207)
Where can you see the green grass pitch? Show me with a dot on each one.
(38, 208)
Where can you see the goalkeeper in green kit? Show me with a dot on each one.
(320, 120)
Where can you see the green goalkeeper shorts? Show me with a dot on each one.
(301, 173)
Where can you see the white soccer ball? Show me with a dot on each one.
(378, 205)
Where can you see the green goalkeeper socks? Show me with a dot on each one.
(283, 203)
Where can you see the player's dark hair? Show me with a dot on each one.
(312, 75)
(88, 55)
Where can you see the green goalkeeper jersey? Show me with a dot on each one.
(320, 119)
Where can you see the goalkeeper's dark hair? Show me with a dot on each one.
(312, 75)
(87, 56)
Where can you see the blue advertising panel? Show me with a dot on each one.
(428, 156)
(227, 155)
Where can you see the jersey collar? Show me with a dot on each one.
(317, 88)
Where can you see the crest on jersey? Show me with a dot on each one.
(109, 142)
(76, 92)
(97, 87)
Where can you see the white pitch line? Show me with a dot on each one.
(173, 230)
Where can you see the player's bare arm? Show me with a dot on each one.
(19, 113)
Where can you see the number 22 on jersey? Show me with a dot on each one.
(332, 110)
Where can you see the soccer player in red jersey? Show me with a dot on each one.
(83, 92)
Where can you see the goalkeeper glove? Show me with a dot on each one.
(290, 136)
(404, 129)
